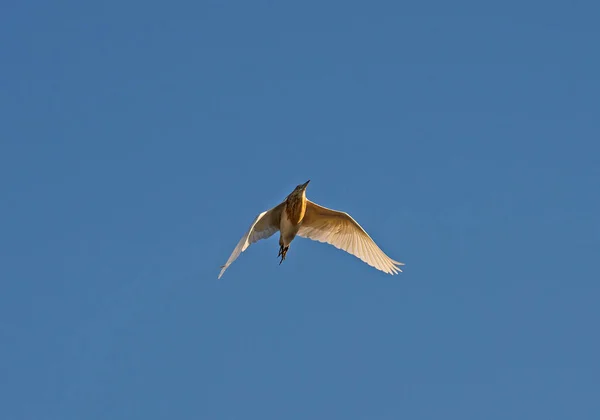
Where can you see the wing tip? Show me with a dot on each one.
(394, 269)
(223, 268)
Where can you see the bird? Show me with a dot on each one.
(298, 216)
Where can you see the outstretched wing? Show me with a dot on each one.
(264, 226)
(342, 231)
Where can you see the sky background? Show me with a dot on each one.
(139, 139)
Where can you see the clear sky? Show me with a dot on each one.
(139, 139)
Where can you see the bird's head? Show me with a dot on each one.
(299, 190)
(302, 187)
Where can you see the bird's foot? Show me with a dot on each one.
(282, 251)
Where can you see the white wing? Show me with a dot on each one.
(264, 226)
(342, 231)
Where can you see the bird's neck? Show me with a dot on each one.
(295, 207)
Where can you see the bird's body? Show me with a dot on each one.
(287, 229)
(294, 209)
(298, 216)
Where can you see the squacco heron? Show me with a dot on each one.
(298, 216)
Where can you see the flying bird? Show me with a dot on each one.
(298, 216)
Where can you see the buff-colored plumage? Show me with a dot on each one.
(298, 216)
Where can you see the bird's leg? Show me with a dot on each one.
(282, 251)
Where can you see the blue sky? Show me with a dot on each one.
(138, 140)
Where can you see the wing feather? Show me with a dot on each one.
(263, 226)
(343, 232)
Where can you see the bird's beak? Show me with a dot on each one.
(305, 184)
